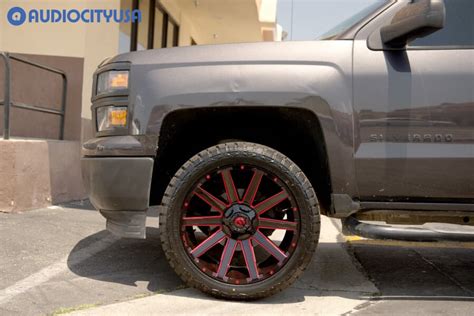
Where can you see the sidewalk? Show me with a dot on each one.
(55, 259)
(60, 260)
(332, 285)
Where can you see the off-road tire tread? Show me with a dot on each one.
(271, 156)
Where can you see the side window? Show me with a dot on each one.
(459, 28)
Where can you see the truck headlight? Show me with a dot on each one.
(110, 81)
(111, 117)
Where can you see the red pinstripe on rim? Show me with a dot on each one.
(240, 248)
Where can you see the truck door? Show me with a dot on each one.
(414, 125)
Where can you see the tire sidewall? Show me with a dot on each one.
(219, 157)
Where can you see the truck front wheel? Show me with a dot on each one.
(239, 221)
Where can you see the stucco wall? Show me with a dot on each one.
(38, 173)
(93, 42)
(2, 21)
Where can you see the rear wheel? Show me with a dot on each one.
(240, 221)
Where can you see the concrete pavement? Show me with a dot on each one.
(60, 260)
(56, 259)
(332, 285)
(417, 278)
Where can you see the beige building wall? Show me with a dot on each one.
(205, 21)
(43, 172)
(94, 42)
(222, 21)
(36, 173)
(2, 21)
(215, 21)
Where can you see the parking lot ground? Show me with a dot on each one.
(418, 278)
(60, 260)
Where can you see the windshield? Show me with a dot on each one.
(369, 8)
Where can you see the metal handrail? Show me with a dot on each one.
(8, 103)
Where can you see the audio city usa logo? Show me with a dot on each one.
(17, 16)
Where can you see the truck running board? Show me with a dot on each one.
(374, 231)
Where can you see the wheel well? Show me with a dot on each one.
(296, 133)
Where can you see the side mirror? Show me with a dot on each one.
(418, 19)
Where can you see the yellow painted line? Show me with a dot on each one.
(353, 238)
(356, 240)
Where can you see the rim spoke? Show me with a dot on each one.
(271, 202)
(253, 187)
(227, 234)
(269, 246)
(250, 260)
(202, 221)
(226, 257)
(232, 195)
(276, 224)
(210, 199)
(207, 244)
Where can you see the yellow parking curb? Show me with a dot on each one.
(356, 240)
(353, 238)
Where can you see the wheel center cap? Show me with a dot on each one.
(240, 221)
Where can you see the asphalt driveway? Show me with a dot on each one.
(60, 260)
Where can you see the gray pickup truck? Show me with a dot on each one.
(243, 146)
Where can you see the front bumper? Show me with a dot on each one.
(117, 184)
(119, 187)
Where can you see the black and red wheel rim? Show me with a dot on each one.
(240, 224)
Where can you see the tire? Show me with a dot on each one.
(223, 241)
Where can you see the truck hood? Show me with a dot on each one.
(264, 52)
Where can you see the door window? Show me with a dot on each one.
(458, 30)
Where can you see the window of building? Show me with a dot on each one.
(143, 26)
(173, 34)
(157, 28)
(125, 29)
(458, 30)
(219, 22)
